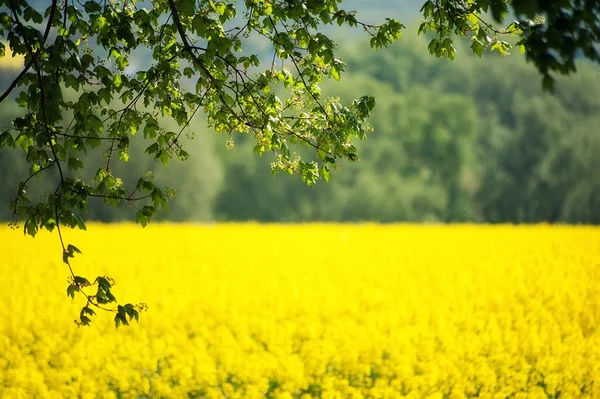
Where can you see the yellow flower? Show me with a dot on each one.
(329, 311)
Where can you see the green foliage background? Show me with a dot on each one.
(468, 140)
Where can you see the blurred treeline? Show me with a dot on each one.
(469, 140)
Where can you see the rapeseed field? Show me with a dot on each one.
(307, 311)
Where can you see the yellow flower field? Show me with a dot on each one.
(307, 311)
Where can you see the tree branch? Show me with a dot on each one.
(186, 44)
(16, 81)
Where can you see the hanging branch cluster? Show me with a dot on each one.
(551, 34)
(82, 91)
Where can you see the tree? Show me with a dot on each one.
(81, 89)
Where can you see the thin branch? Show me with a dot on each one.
(56, 73)
(88, 137)
(229, 64)
(133, 102)
(289, 131)
(62, 242)
(187, 123)
(201, 65)
(42, 96)
(366, 27)
(184, 39)
(137, 97)
(16, 81)
(250, 12)
(128, 199)
(487, 24)
(300, 75)
(31, 176)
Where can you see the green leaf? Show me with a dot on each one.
(477, 48)
(75, 164)
(258, 149)
(71, 81)
(152, 148)
(49, 224)
(103, 282)
(325, 173)
(6, 139)
(71, 289)
(198, 24)
(30, 227)
(81, 281)
(186, 7)
(80, 222)
(104, 94)
(121, 316)
(73, 248)
(66, 256)
(335, 73)
(117, 80)
(141, 218)
(91, 7)
(34, 169)
(87, 310)
(123, 155)
(31, 14)
(122, 63)
(548, 83)
(102, 71)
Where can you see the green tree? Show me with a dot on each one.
(81, 90)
